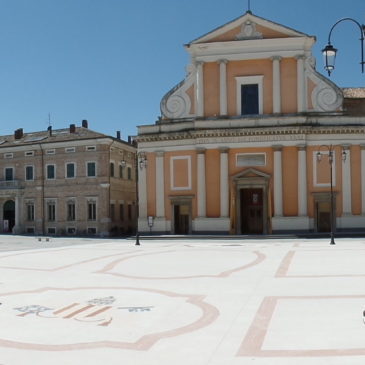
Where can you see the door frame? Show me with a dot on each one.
(181, 200)
(324, 197)
(252, 179)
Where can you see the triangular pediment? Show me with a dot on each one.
(248, 26)
(251, 173)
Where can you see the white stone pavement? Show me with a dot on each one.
(196, 302)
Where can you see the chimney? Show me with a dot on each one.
(118, 134)
(49, 129)
(72, 128)
(129, 139)
(85, 123)
(18, 134)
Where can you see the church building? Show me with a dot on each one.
(247, 142)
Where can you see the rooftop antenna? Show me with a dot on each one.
(249, 6)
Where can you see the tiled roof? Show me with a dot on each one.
(57, 135)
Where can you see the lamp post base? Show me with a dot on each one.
(332, 240)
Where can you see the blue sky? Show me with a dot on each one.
(111, 61)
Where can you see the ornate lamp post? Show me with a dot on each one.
(330, 148)
(329, 52)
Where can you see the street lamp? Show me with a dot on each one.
(330, 148)
(329, 52)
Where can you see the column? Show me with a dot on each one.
(278, 182)
(276, 84)
(346, 182)
(223, 87)
(142, 191)
(301, 94)
(160, 186)
(16, 228)
(302, 181)
(224, 186)
(200, 89)
(202, 210)
(362, 179)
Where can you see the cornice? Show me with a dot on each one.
(249, 132)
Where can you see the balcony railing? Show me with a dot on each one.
(11, 184)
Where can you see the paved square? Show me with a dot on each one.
(186, 301)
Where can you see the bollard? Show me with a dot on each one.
(137, 240)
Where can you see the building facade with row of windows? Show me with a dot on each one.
(71, 181)
(247, 141)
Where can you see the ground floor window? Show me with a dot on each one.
(91, 211)
(51, 211)
(71, 211)
(30, 212)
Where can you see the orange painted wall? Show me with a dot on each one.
(169, 192)
(289, 85)
(249, 68)
(151, 184)
(231, 34)
(211, 89)
(338, 183)
(356, 179)
(290, 180)
(212, 181)
(181, 173)
(227, 36)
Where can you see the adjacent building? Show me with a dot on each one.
(71, 181)
(237, 148)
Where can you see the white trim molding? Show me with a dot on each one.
(172, 181)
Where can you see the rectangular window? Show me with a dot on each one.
(51, 230)
(29, 173)
(249, 95)
(91, 211)
(112, 169)
(70, 170)
(30, 212)
(29, 153)
(69, 149)
(129, 212)
(121, 212)
(71, 211)
(249, 99)
(51, 211)
(50, 152)
(91, 230)
(9, 175)
(90, 148)
(129, 173)
(112, 212)
(8, 155)
(71, 230)
(91, 169)
(121, 171)
(51, 172)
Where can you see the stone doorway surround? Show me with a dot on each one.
(320, 198)
(250, 179)
(185, 200)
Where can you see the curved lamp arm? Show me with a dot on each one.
(329, 52)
